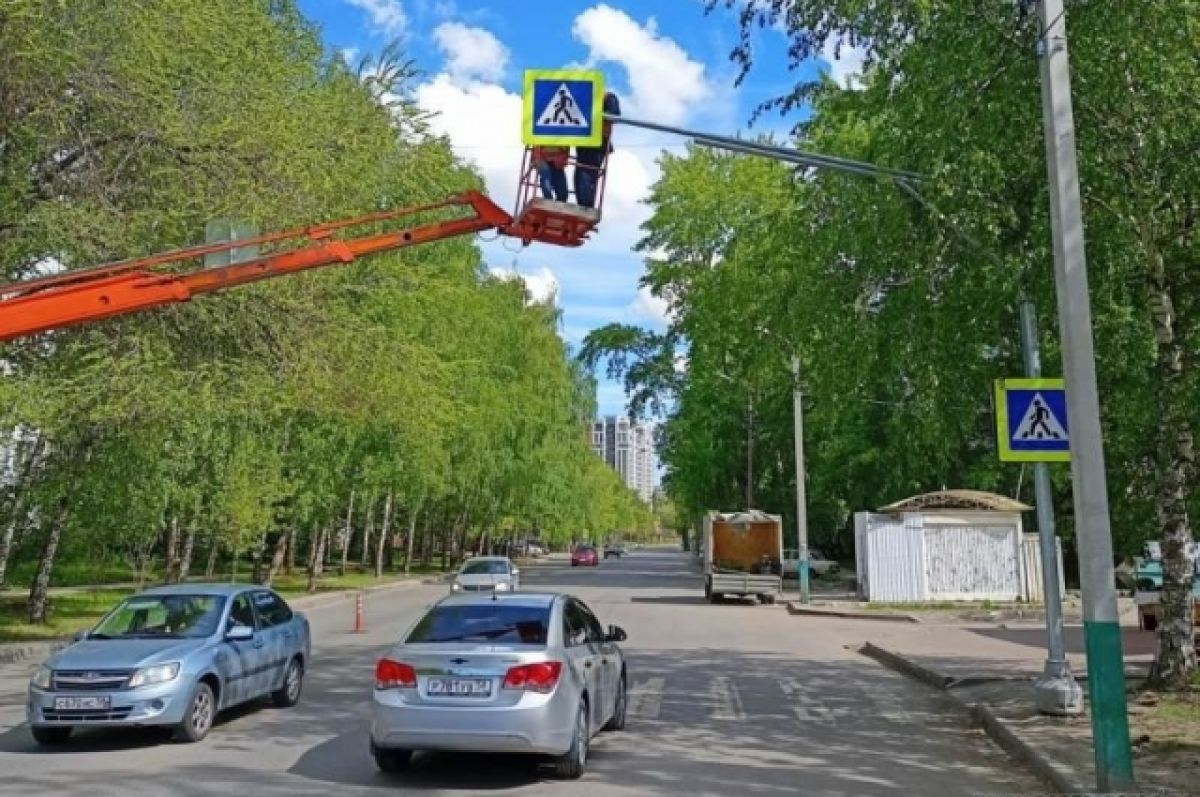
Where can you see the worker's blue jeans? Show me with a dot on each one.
(585, 185)
(554, 182)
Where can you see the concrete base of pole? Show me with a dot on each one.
(1057, 692)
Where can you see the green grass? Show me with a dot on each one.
(74, 611)
(68, 614)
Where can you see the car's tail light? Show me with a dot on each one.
(394, 675)
(541, 676)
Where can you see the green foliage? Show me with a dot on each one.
(901, 325)
(127, 126)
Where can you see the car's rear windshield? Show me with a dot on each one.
(493, 621)
(492, 567)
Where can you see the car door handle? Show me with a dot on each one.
(587, 664)
(258, 643)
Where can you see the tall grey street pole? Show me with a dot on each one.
(801, 499)
(1106, 672)
(1056, 691)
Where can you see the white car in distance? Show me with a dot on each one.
(487, 574)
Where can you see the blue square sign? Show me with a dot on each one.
(563, 108)
(1031, 420)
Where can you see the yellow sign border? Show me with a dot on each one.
(595, 77)
(1002, 386)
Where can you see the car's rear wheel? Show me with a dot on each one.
(199, 716)
(570, 765)
(48, 736)
(617, 722)
(288, 695)
(391, 760)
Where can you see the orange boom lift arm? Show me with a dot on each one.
(130, 286)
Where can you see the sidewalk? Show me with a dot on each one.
(990, 669)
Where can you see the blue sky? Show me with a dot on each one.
(667, 61)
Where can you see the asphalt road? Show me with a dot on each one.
(734, 699)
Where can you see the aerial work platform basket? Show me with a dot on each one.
(550, 221)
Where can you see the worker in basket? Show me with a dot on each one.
(551, 166)
(589, 161)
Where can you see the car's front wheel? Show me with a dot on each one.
(288, 695)
(48, 736)
(390, 760)
(617, 722)
(198, 719)
(570, 765)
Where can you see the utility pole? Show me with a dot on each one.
(1106, 670)
(1056, 691)
(801, 500)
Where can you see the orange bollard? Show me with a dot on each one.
(359, 620)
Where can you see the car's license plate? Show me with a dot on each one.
(460, 687)
(83, 703)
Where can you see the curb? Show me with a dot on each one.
(1060, 777)
(906, 666)
(794, 609)
(1063, 779)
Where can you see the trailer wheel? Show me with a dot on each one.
(716, 597)
(767, 599)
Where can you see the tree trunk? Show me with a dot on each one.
(317, 565)
(28, 463)
(214, 548)
(346, 534)
(259, 557)
(172, 551)
(289, 556)
(277, 557)
(368, 530)
(39, 592)
(1175, 657)
(386, 527)
(185, 555)
(412, 533)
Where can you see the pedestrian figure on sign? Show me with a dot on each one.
(1040, 414)
(562, 108)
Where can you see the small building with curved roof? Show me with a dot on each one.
(948, 545)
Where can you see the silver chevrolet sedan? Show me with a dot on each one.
(173, 656)
(500, 673)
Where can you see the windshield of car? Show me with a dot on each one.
(490, 622)
(152, 616)
(491, 567)
(584, 549)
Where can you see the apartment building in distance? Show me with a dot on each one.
(628, 448)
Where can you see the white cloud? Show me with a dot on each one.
(350, 56)
(386, 15)
(844, 63)
(471, 53)
(541, 284)
(651, 307)
(665, 83)
(483, 123)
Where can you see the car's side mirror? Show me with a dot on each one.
(80, 635)
(616, 634)
(240, 633)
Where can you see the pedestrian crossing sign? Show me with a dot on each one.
(563, 108)
(1031, 420)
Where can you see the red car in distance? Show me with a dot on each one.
(585, 556)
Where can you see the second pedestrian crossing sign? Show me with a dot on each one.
(563, 108)
(1031, 420)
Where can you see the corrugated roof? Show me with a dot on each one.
(957, 499)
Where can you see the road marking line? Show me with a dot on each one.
(727, 702)
(805, 707)
(646, 699)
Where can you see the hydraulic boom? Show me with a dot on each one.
(78, 297)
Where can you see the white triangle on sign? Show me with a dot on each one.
(563, 111)
(1039, 422)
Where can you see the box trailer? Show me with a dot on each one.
(743, 555)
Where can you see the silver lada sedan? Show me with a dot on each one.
(173, 656)
(500, 673)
